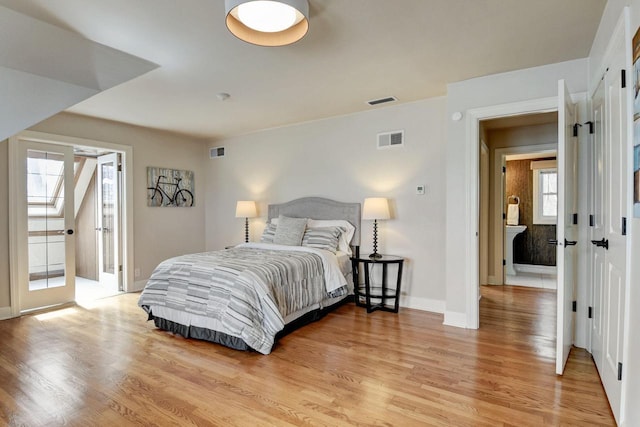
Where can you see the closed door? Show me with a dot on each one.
(596, 224)
(615, 178)
(44, 178)
(608, 226)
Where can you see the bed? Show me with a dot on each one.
(249, 296)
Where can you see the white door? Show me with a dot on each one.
(108, 220)
(596, 224)
(45, 251)
(615, 178)
(566, 229)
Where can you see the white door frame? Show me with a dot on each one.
(472, 189)
(127, 206)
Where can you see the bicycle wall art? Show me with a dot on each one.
(169, 187)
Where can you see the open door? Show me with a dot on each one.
(108, 221)
(45, 222)
(566, 229)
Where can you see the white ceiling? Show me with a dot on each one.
(355, 50)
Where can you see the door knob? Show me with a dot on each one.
(604, 243)
(69, 231)
(553, 242)
(98, 228)
(570, 242)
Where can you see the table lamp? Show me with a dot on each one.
(375, 208)
(246, 209)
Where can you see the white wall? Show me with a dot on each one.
(516, 86)
(337, 158)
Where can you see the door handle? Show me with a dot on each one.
(553, 242)
(69, 232)
(604, 243)
(98, 228)
(570, 242)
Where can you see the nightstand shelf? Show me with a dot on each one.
(376, 297)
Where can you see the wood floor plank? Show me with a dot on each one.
(105, 365)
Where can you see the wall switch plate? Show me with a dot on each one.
(421, 189)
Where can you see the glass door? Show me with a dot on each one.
(45, 236)
(109, 221)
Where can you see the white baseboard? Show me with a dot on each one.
(535, 269)
(454, 318)
(5, 313)
(425, 304)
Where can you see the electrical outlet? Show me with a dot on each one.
(136, 272)
(421, 189)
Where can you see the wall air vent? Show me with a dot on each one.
(382, 100)
(391, 139)
(216, 152)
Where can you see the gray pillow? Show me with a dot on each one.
(268, 233)
(322, 238)
(289, 231)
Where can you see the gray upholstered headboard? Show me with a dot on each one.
(320, 208)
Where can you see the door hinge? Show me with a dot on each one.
(623, 78)
(119, 167)
(504, 215)
(619, 371)
(575, 219)
(590, 123)
(592, 220)
(575, 128)
(590, 312)
(120, 268)
(624, 226)
(574, 306)
(504, 262)
(504, 169)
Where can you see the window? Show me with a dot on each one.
(545, 192)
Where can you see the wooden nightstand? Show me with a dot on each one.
(381, 295)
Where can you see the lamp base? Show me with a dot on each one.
(375, 255)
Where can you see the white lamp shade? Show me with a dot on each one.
(246, 209)
(268, 22)
(375, 208)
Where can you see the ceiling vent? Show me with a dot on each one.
(216, 152)
(382, 100)
(391, 139)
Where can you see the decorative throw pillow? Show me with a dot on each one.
(344, 244)
(326, 238)
(268, 233)
(289, 231)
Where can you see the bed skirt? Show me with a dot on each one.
(236, 343)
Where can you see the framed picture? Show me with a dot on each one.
(169, 187)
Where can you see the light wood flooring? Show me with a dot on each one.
(107, 366)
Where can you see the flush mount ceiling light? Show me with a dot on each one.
(268, 22)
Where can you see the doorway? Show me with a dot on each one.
(84, 254)
(518, 172)
(97, 223)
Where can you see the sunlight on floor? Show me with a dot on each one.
(88, 291)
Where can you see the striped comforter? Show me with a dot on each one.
(245, 292)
